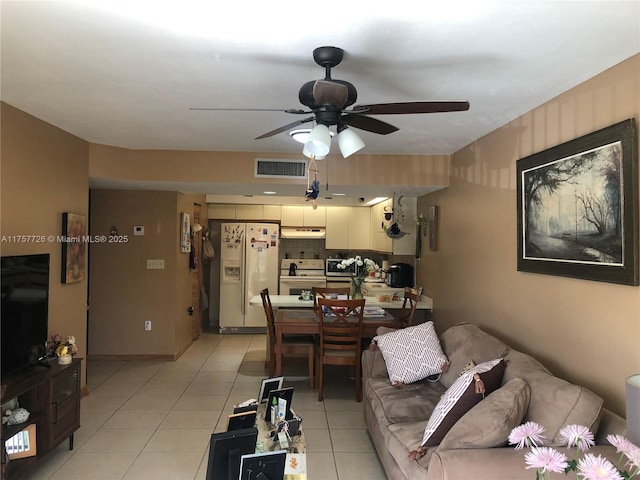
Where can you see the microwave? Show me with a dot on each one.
(332, 270)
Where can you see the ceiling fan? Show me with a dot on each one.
(328, 99)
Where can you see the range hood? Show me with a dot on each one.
(302, 232)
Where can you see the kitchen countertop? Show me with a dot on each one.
(292, 301)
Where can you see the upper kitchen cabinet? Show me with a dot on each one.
(348, 228)
(245, 212)
(401, 210)
(221, 211)
(380, 242)
(305, 216)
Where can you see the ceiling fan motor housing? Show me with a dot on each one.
(305, 95)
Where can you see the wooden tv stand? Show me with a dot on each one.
(52, 396)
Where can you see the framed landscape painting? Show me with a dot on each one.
(74, 231)
(578, 207)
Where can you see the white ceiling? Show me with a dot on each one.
(126, 73)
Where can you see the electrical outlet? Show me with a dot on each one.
(147, 325)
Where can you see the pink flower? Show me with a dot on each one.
(624, 446)
(577, 436)
(526, 435)
(597, 468)
(620, 442)
(546, 459)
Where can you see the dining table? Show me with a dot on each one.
(298, 317)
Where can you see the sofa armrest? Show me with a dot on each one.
(373, 365)
(610, 424)
(495, 463)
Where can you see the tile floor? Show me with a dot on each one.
(153, 419)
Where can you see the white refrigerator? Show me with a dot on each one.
(248, 264)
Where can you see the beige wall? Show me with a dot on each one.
(189, 166)
(124, 293)
(586, 331)
(44, 172)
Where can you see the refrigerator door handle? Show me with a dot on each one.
(243, 280)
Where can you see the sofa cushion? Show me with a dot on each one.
(464, 343)
(412, 353)
(489, 423)
(554, 402)
(413, 403)
(404, 438)
(460, 398)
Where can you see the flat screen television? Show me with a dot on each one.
(226, 450)
(24, 286)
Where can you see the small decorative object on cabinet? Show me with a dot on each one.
(52, 397)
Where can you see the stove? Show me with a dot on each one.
(306, 274)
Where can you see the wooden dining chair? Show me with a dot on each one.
(340, 336)
(292, 345)
(327, 292)
(408, 308)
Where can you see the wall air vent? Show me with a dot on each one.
(275, 168)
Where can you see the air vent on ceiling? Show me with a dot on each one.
(274, 168)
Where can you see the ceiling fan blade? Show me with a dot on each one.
(285, 128)
(411, 107)
(290, 110)
(369, 124)
(326, 92)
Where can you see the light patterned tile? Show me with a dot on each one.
(179, 440)
(161, 466)
(359, 466)
(95, 466)
(191, 419)
(129, 440)
(351, 441)
(322, 466)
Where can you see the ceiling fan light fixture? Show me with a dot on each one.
(319, 142)
(307, 153)
(349, 142)
(300, 135)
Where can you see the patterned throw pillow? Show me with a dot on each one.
(460, 398)
(412, 353)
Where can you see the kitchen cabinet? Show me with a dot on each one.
(348, 228)
(271, 212)
(221, 211)
(249, 212)
(380, 241)
(305, 216)
(243, 212)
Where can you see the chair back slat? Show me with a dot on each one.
(268, 311)
(408, 308)
(341, 325)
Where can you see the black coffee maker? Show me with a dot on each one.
(400, 275)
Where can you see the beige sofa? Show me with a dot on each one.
(476, 446)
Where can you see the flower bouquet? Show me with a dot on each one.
(548, 460)
(359, 269)
(63, 350)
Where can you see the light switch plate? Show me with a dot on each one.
(138, 230)
(155, 264)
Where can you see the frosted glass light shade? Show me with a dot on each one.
(633, 408)
(318, 143)
(349, 142)
(307, 153)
